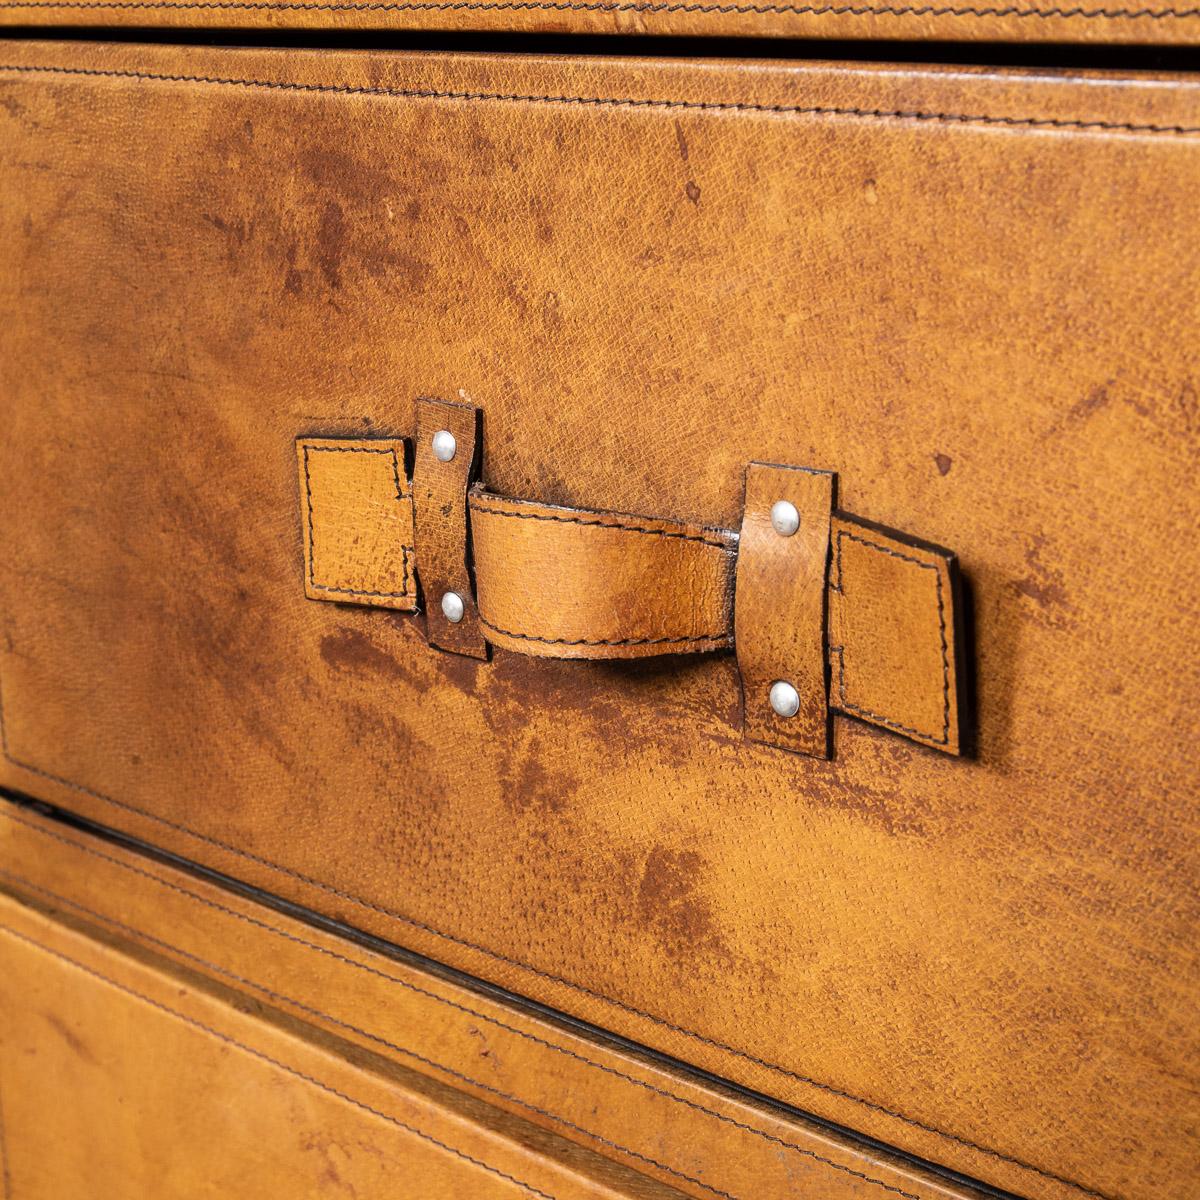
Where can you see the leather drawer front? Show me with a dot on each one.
(121, 1078)
(969, 293)
(1148, 22)
(654, 1121)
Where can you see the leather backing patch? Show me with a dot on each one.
(779, 618)
(893, 641)
(356, 514)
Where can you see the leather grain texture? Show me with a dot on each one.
(780, 616)
(356, 518)
(1141, 22)
(443, 557)
(562, 582)
(970, 293)
(121, 1078)
(686, 1133)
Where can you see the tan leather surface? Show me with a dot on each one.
(569, 583)
(978, 313)
(122, 1079)
(356, 516)
(780, 613)
(893, 644)
(443, 557)
(674, 1128)
(1144, 22)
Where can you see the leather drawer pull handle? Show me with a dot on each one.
(855, 618)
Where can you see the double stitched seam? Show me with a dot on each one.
(392, 979)
(817, 10)
(496, 955)
(600, 522)
(655, 641)
(274, 1062)
(623, 102)
(840, 650)
(405, 551)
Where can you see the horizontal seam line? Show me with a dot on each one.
(263, 1056)
(1115, 14)
(624, 102)
(582, 989)
(646, 641)
(420, 991)
(599, 523)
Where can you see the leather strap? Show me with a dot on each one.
(573, 583)
(857, 618)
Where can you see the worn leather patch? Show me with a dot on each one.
(356, 514)
(893, 644)
(779, 618)
(440, 491)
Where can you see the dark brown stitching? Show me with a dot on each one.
(839, 650)
(658, 641)
(413, 923)
(405, 551)
(576, 520)
(264, 1057)
(837, 10)
(625, 102)
(280, 997)
(412, 987)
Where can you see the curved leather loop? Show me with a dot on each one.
(571, 583)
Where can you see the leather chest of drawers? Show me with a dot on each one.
(597, 623)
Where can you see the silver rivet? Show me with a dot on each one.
(785, 700)
(785, 520)
(444, 445)
(453, 608)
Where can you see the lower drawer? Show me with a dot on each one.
(968, 292)
(160, 1036)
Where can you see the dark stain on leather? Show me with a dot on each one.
(331, 243)
(351, 650)
(75, 1044)
(667, 902)
(944, 463)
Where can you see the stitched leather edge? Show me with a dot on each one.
(598, 520)
(652, 9)
(416, 988)
(329, 889)
(866, 713)
(721, 639)
(814, 110)
(405, 551)
(267, 1058)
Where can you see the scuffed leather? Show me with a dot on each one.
(440, 491)
(656, 1120)
(121, 1077)
(979, 313)
(356, 518)
(779, 620)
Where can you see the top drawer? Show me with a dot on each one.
(971, 294)
(1139, 23)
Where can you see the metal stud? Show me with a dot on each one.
(785, 700)
(444, 445)
(785, 520)
(453, 607)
